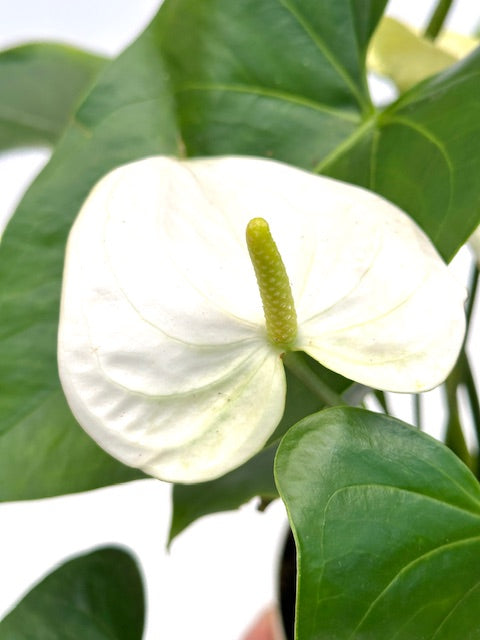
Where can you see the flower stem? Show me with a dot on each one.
(382, 399)
(355, 394)
(472, 394)
(466, 373)
(437, 19)
(455, 438)
(473, 288)
(295, 362)
(417, 410)
(462, 375)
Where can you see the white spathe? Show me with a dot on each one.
(163, 353)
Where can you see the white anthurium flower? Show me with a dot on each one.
(168, 358)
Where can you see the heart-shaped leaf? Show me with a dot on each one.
(387, 526)
(98, 596)
(41, 84)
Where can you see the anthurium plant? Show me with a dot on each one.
(230, 261)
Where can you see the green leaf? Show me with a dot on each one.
(128, 114)
(41, 85)
(98, 596)
(286, 79)
(255, 477)
(387, 527)
(422, 154)
(282, 79)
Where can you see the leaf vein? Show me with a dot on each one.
(271, 93)
(326, 52)
(455, 607)
(440, 549)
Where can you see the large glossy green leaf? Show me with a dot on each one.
(97, 596)
(128, 114)
(387, 527)
(286, 79)
(283, 79)
(255, 477)
(41, 84)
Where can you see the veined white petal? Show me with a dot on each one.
(405, 348)
(188, 437)
(161, 375)
(163, 353)
(395, 319)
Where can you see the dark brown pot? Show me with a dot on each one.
(288, 586)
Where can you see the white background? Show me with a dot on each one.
(220, 572)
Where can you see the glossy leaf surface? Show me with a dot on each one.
(387, 525)
(98, 596)
(306, 103)
(128, 115)
(41, 86)
(240, 92)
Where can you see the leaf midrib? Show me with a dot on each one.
(270, 93)
(328, 55)
(29, 120)
(420, 494)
